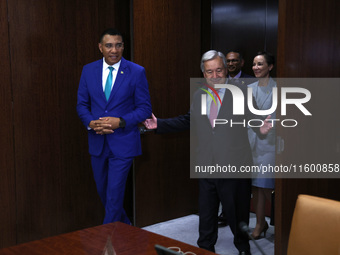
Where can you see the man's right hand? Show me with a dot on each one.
(151, 123)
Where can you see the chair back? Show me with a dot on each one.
(315, 228)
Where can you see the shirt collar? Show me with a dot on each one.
(115, 66)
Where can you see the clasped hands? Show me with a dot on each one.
(105, 125)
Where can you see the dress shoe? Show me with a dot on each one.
(264, 231)
(222, 220)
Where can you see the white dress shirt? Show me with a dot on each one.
(106, 71)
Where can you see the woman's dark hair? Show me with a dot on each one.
(270, 59)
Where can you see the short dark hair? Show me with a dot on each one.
(110, 31)
(270, 59)
(240, 55)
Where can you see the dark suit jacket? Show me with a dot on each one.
(224, 144)
(129, 99)
(245, 79)
(244, 75)
(177, 124)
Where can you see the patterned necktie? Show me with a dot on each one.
(108, 84)
(213, 111)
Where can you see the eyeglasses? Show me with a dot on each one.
(117, 46)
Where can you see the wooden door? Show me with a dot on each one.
(308, 46)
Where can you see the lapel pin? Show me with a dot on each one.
(121, 72)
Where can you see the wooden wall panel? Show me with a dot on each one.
(167, 42)
(7, 170)
(49, 42)
(248, 26)
(308, 43)
(308, 46)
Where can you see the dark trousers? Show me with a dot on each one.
(234, 195)
(110, 174)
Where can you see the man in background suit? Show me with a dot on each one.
(113, 97)
(235, 63)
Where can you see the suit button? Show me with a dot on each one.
(105, 111)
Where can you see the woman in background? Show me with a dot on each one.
(263, 150)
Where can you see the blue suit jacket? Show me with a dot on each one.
(129, 99)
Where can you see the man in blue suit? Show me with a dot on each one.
(113, 97)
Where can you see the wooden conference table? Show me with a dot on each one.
(125, 240)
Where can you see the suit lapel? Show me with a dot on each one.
(122, 73)
(98, 79)
(226, 107)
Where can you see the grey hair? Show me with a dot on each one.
(211, 54)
